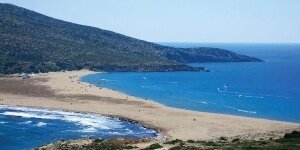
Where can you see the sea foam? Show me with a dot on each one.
(88, 121)
(47, 125)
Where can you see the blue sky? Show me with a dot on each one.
(225, 21)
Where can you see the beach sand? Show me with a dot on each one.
(63, 90)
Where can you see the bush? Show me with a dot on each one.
(190, 141)
(98, 140)
(222, 138)
(173, 141)
(153, 146)
(235, 140)
(176, 148)
(130, 147)
(294, 134)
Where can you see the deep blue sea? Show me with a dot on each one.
(25, 128)
(268, 89)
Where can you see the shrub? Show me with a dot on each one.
(191, 141)
(222, 138)
(98, 140)
(153, 146)
(173, 141)
(294, 134)
(235, 140)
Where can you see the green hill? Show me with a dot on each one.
(32, 42)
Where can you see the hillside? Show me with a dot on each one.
(32, 42)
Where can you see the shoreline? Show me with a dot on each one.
(177, 108)
(65, 91)
(159, 136)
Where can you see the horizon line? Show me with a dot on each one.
(291, 43)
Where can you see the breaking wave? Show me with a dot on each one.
(89, 122)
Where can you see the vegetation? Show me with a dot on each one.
(174, 141)
(290, 141)
(153, 146)
(96, 144)
(32, 42)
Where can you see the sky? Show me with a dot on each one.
(205, 21)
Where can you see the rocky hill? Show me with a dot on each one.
(32, 42)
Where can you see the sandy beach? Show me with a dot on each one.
(63, 90)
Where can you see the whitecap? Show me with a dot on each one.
(82, 119)
(221, 90)
(172, 82)
(202, 102)
(241, 110)
(26, 122)
(129, 131)
(246, 111)
(28, 115)
(96, 122)
(41, 124)
(88, 122)
(107, 80)
(116, 133)
(249, 96)
(104, 80)
(88, 130)
(2, 122)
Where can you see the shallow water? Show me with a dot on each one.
(264, 90)
(24, 128)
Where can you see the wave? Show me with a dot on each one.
(277, 96)
(88, 130)
(88, 121)
(28, 115)
(202, 102)
(246, 111)
(107, 80)
(241, 94)
(171, 82)
(26, 122)
(248, 96)
(41, 124)
(148, 86)
(252, 95)
(241, 110)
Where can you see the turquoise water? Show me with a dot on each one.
(263, 90)
(25, 128)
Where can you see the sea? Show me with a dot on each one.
(268, 90)
(27, 128)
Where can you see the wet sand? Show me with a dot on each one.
(63, 90)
